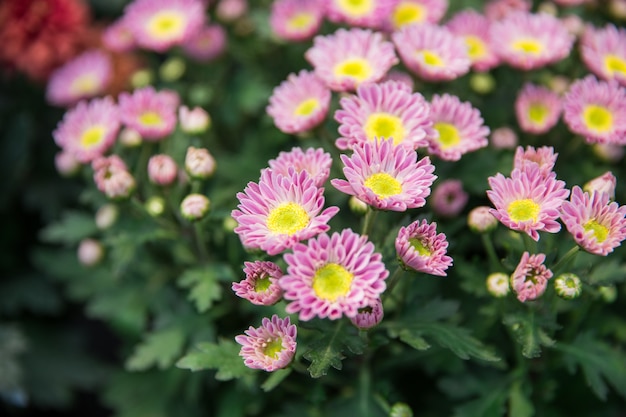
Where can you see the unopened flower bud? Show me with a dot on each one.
(199, 163)
(482, 82)
(231, 10)
(357, 206)
(141, 78)
(548, 8)
(194, 207)
(498, 284)
(172, 69)
(568, 286)
(162, 169)
(503, 138)
(449, 198)
(559, 84)
(194, 121)
(605, 183)
(608, 293)
(229, 224)
(155, 206)
(400, 410)
(106, 216)
(369, 316)
(90, 252)
(66, 164)
(608, 152)
(120, 185)
(480, 220)
(130, 138)
(617, 8)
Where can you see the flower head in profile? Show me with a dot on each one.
(543, 157)
(412, 12)
(528, 41)
(605, 183)
(160, 24)
(348, 58)
(269, 347)
(151, 113)
(530, 278)
(386, 177)
(460, 128)
(473, 28)
(390, 110)
(88, 130)
(596, 224)
(315, 162)
(369, 316)
(449, 198)
(296, 20)
(333, 276)
(260, 286)
(604, 52)
(280, 211)
(596, 110)
(420, 248)
(85, 76)
(363, 13)
(528, 201)
(299, 103)
(432, 52)
(537, 109)
(206, 44)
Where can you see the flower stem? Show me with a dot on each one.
(202, 249)
(365, 382)
(368, 221)
(565, 260)
(529, 244)
(491, 251)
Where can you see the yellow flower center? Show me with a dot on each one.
(384, 125)
(431, 58)
(150, 118)
(528, 46)
(537, 113)
(287, 219)
(166, 24)
(419, 247)
(300, 21)
(448, 134)
(357, 68)
(597, 118)
(86, 84)
(407, 13)
(307, 107)
(332, 281)
(273, 348)
(92, 136)
(523, 210)
(356, 8)
(600, 232)
(476, 48)
(262, 284)
(383, 185)
(614, 63)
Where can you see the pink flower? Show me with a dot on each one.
(530, 278)
(420, 248)
(388, 110)
(605, 183)
(604, 52)
(296, 20)
(280, 211)
(193, 121)
(162, 169)
(199, 163)
(315, 162)
(412, 12)
(363, 13)
(537, 109)
(543, 157)
(207, 44)
(449, 198)
(386, 177)
(260, 286)
(499, 9)
(597, 225)
(332, 276)
(269, 347)
(151, 113)
(300, 103)
(90, 252)
(474, 29)
(369, 316)
(117, 37)
(112, 177)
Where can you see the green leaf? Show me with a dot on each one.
(491, 404)
(158, 348)
(600, 364)
(275, 379)
(529, 332)
(204, 286)
(519, 404)
(413, 339)
(222, 356)
(457, 339)
(72, 228)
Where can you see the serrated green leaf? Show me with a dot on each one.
(158, 348)
(529, 333)
(519, 404)
(458, 340)
(72, 228)
(609, 272)
(204, 287)
(222, 356)
(275, 379)
(492, 404)
(414, 340)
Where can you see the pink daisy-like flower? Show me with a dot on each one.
(299, 103)
(389, 110)
(604, 52)
(348, 58)
(449, 198)
(296, 20)
(117, 37)
(544, 157)
(206, 44)
(315, 162)
(151, 113)
(597, 225)
(386, 177)
(260, 286)
(280, 211)
(460, 127)
(420, 248)
(88, 130)
(369, 316)
(530, 278)
(528, 41)
(596, 110)
(537, 109)
(332, 276)
(432, 52)
(85, 76)
(411, 12)
(474, 29)
(269, 347)
(528, 201)
(499, 9)
(160, 24)
(364, 13)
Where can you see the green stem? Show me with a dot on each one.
(141, 170)
(491, 251)
(529, 244)
(368, 221)
(565, 260)
(202, 249)
(394, 279)
(365, 382)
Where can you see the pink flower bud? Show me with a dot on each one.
(449, 198)
(130, 137)
(162, 169)
(230, 10)
(119, 185)
(480, 220)
(199, 163)
(369, 316)
(194, 207)
(504, 138)
(90, 252)
(106, 216)
(605, 183)
(193, 121)
(66, 164)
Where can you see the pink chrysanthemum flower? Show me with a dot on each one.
(369, 316)
(88, 130)
(280, 211)
(530, 278)
(206, 44)
(151, 113)
(386, 177)
(117, 37)
(411, 12)
(85, 76)
(260, 286)
(499, 9)
(604, 52)
(474, 29)
(420, 248)
(537, 109)
(432, 52)
(315, 162)
(348, 58)
(364, 13)
(449, 198)
(112, 177)
(596, 110)
(389, 110)
(296, 20)
(333, 276)
(269, 347)
(299, 103)
(543, 157)
(160, 24)
(528, 41)
(597, 225)
(528, 201)
(460, 127)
